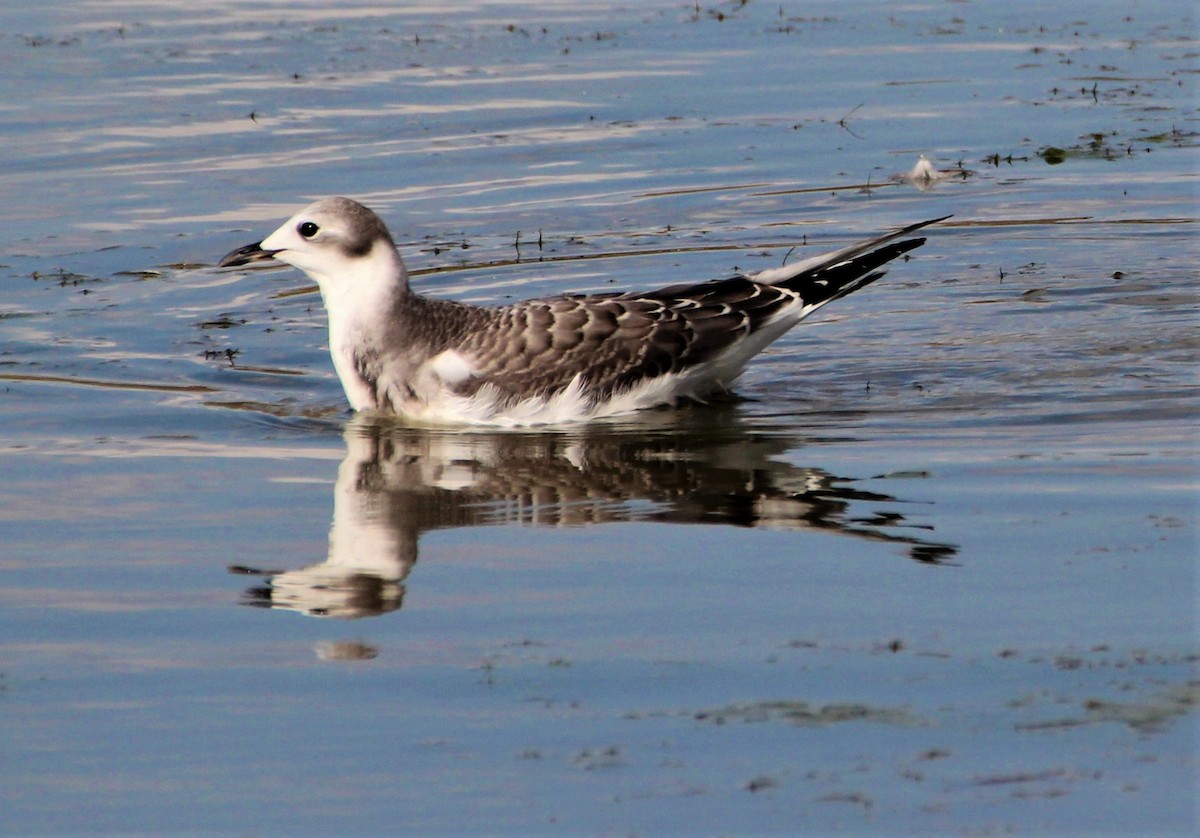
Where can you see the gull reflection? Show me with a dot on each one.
(397, 483)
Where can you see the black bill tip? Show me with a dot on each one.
(246, 255)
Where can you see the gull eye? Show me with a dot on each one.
(307, 229)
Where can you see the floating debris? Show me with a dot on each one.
(925, 175)
(346, 650)
(803, 713)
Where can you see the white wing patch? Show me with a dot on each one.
(451, 367)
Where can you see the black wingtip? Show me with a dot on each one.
(912, 228)
(828, 284)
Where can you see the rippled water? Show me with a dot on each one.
(936, 571)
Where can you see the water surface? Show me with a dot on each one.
(935, 571)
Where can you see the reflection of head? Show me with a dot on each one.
(396, 483)
(324, 591)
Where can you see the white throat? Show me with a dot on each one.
(359, 295)
(359, 286)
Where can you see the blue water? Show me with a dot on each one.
(936, 571)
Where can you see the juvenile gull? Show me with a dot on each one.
(559, 359)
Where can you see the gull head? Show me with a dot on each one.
(336, 241)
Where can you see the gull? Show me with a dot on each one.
(553, 360)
